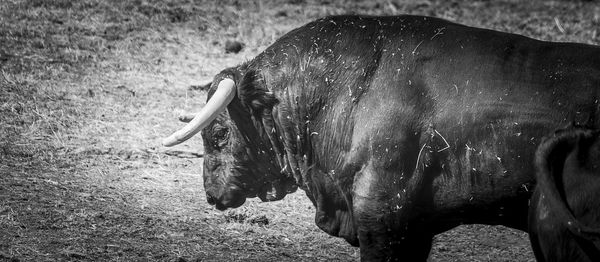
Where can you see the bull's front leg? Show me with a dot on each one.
(387, 231)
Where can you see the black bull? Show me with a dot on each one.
(565, 209)
(397, 128)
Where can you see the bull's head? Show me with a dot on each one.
(240, 158)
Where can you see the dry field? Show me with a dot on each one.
(88, 88)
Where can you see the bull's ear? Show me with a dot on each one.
(204, 87)
(254, 94)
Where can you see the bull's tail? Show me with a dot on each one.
(557, 148)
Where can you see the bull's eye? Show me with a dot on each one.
(220, 136)
(221, 133)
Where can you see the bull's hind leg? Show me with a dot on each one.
(533, 227)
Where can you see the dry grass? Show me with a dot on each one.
(87, 89)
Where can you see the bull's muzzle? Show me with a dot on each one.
(231, 198)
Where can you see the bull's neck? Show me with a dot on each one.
(291, 121)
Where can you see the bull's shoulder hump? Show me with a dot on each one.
(349, 27)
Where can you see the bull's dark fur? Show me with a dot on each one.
(564, 217)
(397, 128)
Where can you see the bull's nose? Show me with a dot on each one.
(210, 199)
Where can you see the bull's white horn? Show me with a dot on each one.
(217, 103)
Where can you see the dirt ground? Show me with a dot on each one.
(88, 88)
